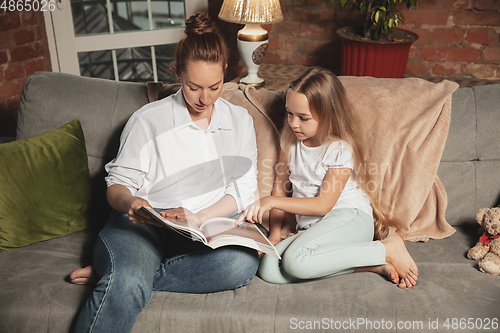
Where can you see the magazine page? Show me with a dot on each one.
(228, 227)
(225, 231)
(218, 232)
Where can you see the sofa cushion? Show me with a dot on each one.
(102, 116)
(487, 100)
(461, 141)
(36, 299)
(267, 110)
(45, 187)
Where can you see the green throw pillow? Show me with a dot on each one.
(44, 187)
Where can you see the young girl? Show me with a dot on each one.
(164, 161)
(333, 208)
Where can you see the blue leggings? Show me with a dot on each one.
(132, 260)
(340, 241)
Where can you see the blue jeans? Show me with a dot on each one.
(132, 260)
(340, 241)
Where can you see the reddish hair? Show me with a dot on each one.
(203, 42)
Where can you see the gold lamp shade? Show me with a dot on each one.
(251, 11)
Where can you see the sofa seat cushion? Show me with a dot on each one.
(36, 293)
(45, 187)
(40, 299)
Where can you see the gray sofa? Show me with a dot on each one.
(451, 293)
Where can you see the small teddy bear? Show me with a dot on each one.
(488, 247)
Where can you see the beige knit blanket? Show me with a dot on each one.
(406, 122)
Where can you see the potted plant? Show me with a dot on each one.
(378, 48)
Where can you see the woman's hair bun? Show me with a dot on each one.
(200, 24)
(203, 42)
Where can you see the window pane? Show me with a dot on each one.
(96, 64)
(91, 16)
(134, 64)
(165, 57)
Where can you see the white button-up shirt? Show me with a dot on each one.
(167, 160)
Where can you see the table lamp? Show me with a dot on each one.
(252, 39)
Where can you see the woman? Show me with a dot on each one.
(165, 161)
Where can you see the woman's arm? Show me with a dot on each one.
(120, 198)
(243, 184)
(331, 188)
(226, 206)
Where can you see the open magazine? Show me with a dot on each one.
(219, 231)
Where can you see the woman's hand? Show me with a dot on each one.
(137, 216)
(254, 212)
(122, 201)
(182, 214)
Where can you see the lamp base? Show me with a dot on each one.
(252, 81)
(252, 44)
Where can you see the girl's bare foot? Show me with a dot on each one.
(85, 275)
(386, 270)
(398, 256)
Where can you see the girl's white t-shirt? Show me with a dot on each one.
(308, 166)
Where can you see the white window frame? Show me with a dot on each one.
(64, 45)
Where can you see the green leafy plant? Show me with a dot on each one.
(380, 15)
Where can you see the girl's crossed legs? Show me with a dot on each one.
(337, 244)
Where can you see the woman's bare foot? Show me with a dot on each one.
(85, 275)
(398, 256)
(386, 270)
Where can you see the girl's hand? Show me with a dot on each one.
(182, 214)
(137, 216)
(254, 212)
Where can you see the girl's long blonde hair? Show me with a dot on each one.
(328, 101)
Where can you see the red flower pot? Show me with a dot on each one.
(373, 58)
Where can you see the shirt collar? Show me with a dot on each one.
(181, 113)
(220, 117)
(219, 120)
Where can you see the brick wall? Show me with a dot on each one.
(23, 51)
(458, 38)
(307, 34)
